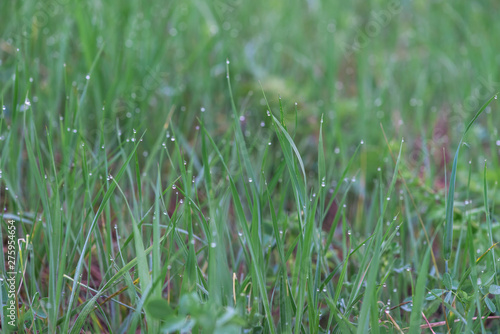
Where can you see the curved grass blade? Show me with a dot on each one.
(79, 266)
(448, 233)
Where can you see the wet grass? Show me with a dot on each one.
(257, 167)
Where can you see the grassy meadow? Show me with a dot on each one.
(235, 166)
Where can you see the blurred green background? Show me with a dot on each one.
(405, 64)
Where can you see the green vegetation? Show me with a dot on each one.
(249, 167)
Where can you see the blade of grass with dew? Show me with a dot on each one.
(313, 287)
(306, 231)
(490, 229)
(473, 279)
(142, 263)
(57, 234)
(52, 220)
(448, 234)
(213, 290)
(240, 143)
(463, 231)
(246, 232)
(107, 196)
(419, 293)
(191, 267)
(90, 305)
(369, 301)
(156, 254)
(321, 194)
(365, 263)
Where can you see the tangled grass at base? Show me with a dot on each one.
(249, 167)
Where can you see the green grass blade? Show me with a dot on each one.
(448, 234)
